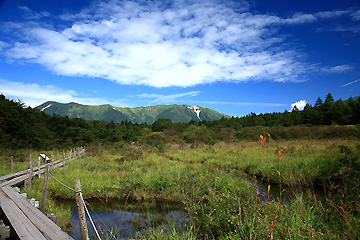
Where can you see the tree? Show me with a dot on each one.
(155, 139)
(311, 115)
(162, 124)
(340, 112)
(197, 134)
(329, 114)
(319, 106)
(319, 102)
(329, 99)
(259, 121)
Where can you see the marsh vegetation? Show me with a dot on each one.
(214, 186)
(211, 170)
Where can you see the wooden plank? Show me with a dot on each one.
(20, 178)
(18, 174)
(13, 175)
(47, 227)
(26, 220)
(23, 227)
(14, 181)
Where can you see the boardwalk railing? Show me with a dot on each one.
(28, 222)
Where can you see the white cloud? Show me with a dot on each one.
(244, 103)
(349, 83)
(29, 14)
(356, 15)
(299, 105)
(300, 18)
(3, 45)
(176, 98)
(338, 69)
(163, 43)
(354, 29)
(158, 99)
(34, 94)
(332, 14)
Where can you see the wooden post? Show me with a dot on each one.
(70, 154)
(4, 231)
(45, 189)
(28, 185)
(81, 211)
(64, 158)
(39, 165)
(12, 164)
(51, 160)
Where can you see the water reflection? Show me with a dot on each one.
(121, 221)
(275, 193)
(285, 195)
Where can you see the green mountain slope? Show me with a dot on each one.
(177, 113)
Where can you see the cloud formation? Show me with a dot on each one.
(349, 83)
(165, 99)
(160, 99)
(164, 43)
(34, 94)
(338, 69)
(28, 14)
(300, 105)
(263, 104)
(3, 45)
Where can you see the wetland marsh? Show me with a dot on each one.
(214, 187)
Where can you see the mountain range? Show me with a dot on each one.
(107, 112)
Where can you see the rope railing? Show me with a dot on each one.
(87, 211)
(110, 231)
(82, 199)
(61, 183)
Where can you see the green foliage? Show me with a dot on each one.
(30, 128)
(161, 124)
(210, 185)
(197, 134)
(345, 149)
(323, 113)
(209, 179)
(177, 113)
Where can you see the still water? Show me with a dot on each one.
(120, 221)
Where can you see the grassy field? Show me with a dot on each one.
(214, 185)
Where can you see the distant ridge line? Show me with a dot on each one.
(148, 114)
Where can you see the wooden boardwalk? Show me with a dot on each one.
(27, 222)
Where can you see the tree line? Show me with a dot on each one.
(322, 113)
(24, 127)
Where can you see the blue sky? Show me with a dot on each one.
(235, 57)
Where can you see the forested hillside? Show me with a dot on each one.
(322, 113)
(26, 127)
(177, 113)
(22, 127)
